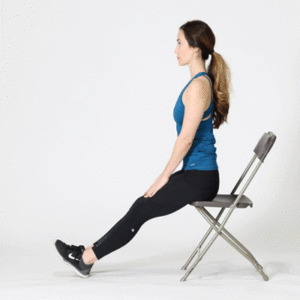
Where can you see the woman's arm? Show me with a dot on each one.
(194, 110)
(181, 148)
(197, 97)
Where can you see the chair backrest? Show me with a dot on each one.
(264, 145)
(261, 150)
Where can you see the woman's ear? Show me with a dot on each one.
(197, 51)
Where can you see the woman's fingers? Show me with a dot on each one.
(150, 194)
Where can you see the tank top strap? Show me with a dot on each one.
(203, 74)
(211, 102)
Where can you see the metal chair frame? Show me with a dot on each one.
(261, 150)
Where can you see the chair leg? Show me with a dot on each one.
(231, 238)
(202, 241)
(188, 272)
(232, 241)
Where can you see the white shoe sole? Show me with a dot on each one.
(66, 262)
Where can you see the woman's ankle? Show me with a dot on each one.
(89, 256)
(89, 247)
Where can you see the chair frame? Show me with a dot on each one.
(261, 150)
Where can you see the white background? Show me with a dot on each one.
(86, 126)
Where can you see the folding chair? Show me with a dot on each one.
(231, 201)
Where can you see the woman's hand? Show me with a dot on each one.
(157, 185)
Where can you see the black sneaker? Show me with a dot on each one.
(72, 255)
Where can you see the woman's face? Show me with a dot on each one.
(183, 50)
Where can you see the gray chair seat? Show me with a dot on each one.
(225, 200)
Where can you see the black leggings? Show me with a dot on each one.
(183, 187)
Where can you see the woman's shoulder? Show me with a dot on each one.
(203, 83)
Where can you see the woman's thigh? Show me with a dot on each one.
(205, 183)
(183, 187)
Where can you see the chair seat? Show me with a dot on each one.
(224, 200)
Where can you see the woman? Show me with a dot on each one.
(203, 100)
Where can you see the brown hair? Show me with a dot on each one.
(199, 34)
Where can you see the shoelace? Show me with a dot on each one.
(78, 250)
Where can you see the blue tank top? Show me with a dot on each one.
(202, 154)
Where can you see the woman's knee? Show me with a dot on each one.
(140, 207)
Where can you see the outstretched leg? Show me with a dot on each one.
(183, 187)
(174, 195)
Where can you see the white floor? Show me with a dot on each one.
(228, 275)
